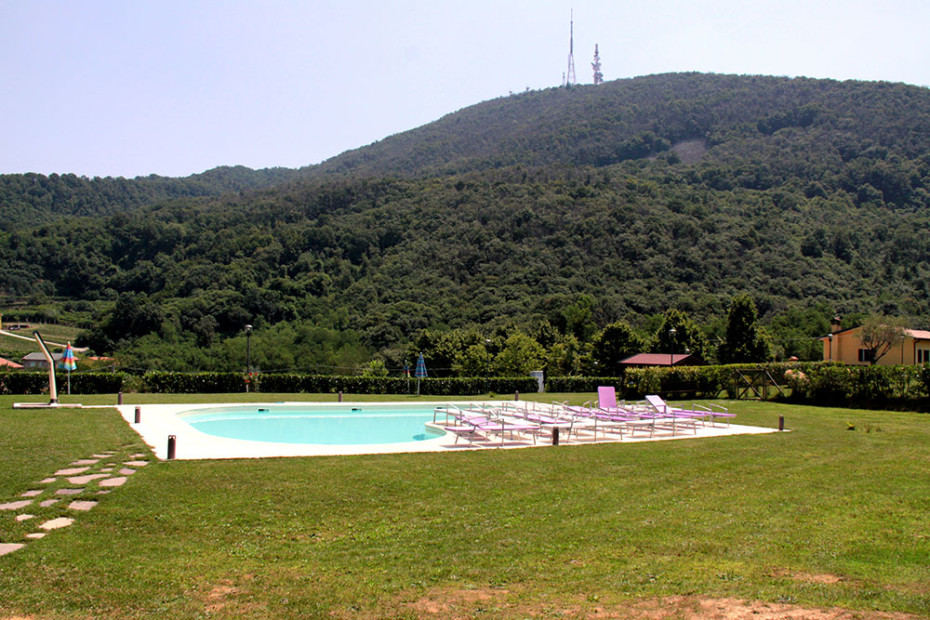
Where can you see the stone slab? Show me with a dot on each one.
(48, 502)
(32, 493)
(24, 517)
(58, 523)
(136, 463)
(47, 480)
(81, 505)
(68, 491)
(102, 456)
(126, 471)
(86, 462)
(36, 535)
(86, 478)
(15, 505)
(113, 482)
(71, 471)
(10, 547)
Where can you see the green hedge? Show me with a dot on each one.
(212, 383)
(809, 382)
(90, 382)
(690, 381)
(831, 384)
(161, 382)
(806, 382)
(36, 382)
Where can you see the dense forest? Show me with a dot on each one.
(546, 222)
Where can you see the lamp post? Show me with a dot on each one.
(671, 346)
(487, 363)
(248, 355)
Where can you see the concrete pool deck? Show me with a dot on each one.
(158, 422)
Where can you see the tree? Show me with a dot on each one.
(744, 341)
(686, 335)
(520, 355)
(578, 317)
(612, 345)
(474, 361)
(879, 334)
(566, 357)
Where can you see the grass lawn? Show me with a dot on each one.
(15, 348)
(820, 517)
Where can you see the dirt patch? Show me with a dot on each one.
(825, 578)
(690, 151)
(216, 599)
(467, 603)
(448, 603)
(733, 609)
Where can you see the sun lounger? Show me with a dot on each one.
(700, 413)
(473, 426)
(589, 416)
(546, 419)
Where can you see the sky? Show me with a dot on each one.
(177, 87)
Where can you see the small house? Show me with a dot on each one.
(37, 360)
(846, 346)
(643, 360)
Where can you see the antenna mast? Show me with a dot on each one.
(570, 74)
(596, 65)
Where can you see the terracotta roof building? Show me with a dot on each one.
(662, 359)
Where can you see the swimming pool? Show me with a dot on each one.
(330, 425)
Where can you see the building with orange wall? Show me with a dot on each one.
(846, 346)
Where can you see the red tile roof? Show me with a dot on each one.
(656, 359)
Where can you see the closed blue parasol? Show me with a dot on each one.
(420, 371)
(68, 363)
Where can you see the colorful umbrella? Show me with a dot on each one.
(67, 359)
(68, 363)
(420, 371)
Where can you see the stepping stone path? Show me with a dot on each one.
(15, 505)
(95, 475)
(56, 524)
(10, 547)
(81, 505)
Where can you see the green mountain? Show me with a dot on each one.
(558, 211)
(28, 198)
(736, 120)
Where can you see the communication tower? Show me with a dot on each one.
(569, 78)
(596, 65)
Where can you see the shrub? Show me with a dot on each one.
(211, 383)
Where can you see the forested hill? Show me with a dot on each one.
(28, 198)
(558, 212)
(739, 119)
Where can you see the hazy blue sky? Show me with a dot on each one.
(135, 87)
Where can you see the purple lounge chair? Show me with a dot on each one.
(701, 413)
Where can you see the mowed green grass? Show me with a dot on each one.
(817, 517)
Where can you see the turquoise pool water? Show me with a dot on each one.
(333, 425)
